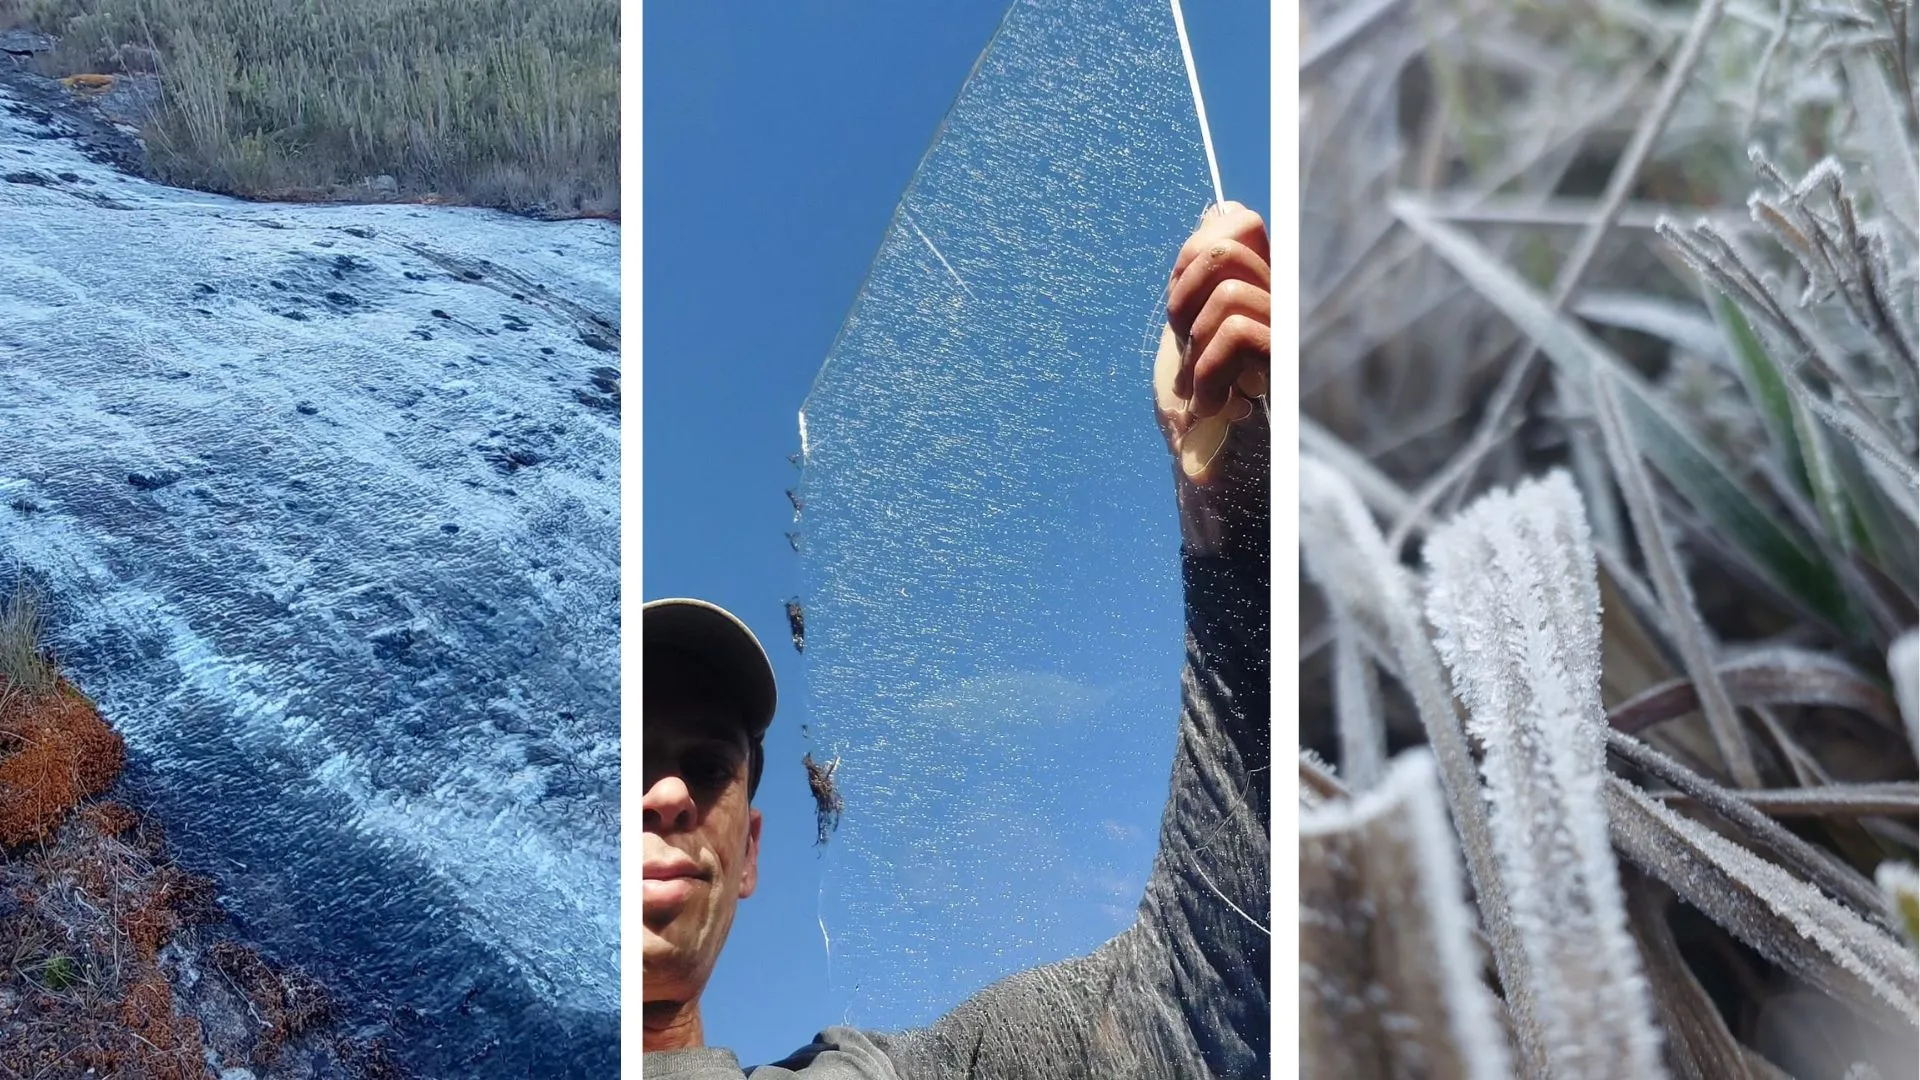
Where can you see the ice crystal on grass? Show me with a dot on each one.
(1514, 595)
(1781, 917)
(1344, 552)
(1390, 985)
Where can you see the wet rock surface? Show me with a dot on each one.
(332, 534)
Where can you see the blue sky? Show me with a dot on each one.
(777, 141)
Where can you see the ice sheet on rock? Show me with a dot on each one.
(990, 556)
(327, 501)
(1390, 983)
(1514, 596)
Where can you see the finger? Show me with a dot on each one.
(1229, 221)
(1220, 263)
(1242, 344)
(1230, 339)
(1232, 222)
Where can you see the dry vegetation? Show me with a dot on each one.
(90, 906)
(488, 102)
(1610, 419)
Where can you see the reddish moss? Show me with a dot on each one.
(173, 901)
(288, 1002)
(110, 819)
(64, 753)
(167, 1046)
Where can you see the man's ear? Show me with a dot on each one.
(750, 872)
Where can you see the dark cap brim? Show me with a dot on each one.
(719, 639)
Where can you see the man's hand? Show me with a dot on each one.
(1215, 355)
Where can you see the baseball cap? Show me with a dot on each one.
(717, 639)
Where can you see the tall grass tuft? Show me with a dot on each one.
(24, 665)
(1669, 255)
(490, 102)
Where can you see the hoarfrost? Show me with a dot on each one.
(1386, 940)
(1783, 918)
(1514, 595)
(1345, 553)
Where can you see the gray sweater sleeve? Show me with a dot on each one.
(1183, 992)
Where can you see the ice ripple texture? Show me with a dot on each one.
(327, 500)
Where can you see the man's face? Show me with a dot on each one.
(702, 844)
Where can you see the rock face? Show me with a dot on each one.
(327, 501)
(19, 42)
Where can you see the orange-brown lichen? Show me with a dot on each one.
(97, 901)
(63, 753)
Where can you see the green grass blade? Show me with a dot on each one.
(1876, 519)
(1766, 385)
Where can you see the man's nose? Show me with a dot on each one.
(668, 805)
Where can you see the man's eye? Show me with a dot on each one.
(710, 771)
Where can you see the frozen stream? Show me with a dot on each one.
(327, 499)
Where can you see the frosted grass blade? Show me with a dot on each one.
(1895, 176)
(1782, 918)
(1363, 730)
(1390, 983)
(1783, 557)
(1764, 382)
(1779, 675)
(1757, 831)
(1680, 324)
(1901, 798)
(1670, 581)
(1343, 551)
(1514, 595)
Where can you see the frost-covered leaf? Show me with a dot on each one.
(1785, 557)
(1390, 983)
(1514, 595)
(1779, 675)
(1343, 551)
(1781, 917)
(1903, 665)
(1690, 634)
